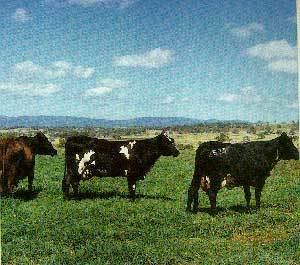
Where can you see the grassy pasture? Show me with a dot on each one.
(104, 227)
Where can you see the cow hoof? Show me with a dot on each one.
(213, 213)
(195, 210)
(188, 209)
(66, 197)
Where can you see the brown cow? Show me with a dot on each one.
(17, 159)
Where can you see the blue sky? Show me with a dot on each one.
(120, 59)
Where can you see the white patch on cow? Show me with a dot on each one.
(215, 152)
(77, 157)
(86, 158)
(207, 180)
(223, 183)
(124, 150)
(133, 186)
(166, 134)
(126, 172)
(132, 144)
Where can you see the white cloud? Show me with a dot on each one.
(246, 95)
(21, 15)
(284, 65)
(113, 83)
(83, 72)
(281, 56)
(152, 59)
(28, 69)
(62, 64)
(59, 69)
(97, 91)
(246, 30)
(105, 86)
(273, 49)
(106, 3)
(229, 97)
(294, 105)
(168, 100)
(30, 89)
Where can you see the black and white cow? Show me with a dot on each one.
(87, 157)
(220, 165)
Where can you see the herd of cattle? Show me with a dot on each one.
(217, 164)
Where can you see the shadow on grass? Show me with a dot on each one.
(112, 194)
(220, 210)
(24, 195)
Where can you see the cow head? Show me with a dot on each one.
(43, 146)
(167, 145)
(286, 150)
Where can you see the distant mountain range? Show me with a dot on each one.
(69, 121)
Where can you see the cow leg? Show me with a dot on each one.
(212, 194)
(66, 187)
(131, 188)
(11, 184)
(258, 190)
(193, 194)
(75, 186)
(30, 181)
(247, 196)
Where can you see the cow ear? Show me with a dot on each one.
(284, 134)
(39, 134)
(165, 132)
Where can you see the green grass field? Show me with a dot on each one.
(104, 227)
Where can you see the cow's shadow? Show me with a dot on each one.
(85, 195)
(25, 195)
(221, 210)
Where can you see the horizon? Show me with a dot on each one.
(156, 117)
(128, 59)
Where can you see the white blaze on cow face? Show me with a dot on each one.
(126, 172)
(86, 158)
(124, 150)
(167, 136)
(133, 186)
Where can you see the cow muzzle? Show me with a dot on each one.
(176, 153)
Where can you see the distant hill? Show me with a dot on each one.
(69, 121)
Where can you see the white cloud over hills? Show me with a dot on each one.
(155, 58)
(105, 86)
(29, 89)
(59, 69)
(280, 55)
(246, 95)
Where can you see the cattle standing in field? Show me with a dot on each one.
(220, 164)
(17, 158)
(86, 157)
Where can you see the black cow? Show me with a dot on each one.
(86, 157)
(220, 164)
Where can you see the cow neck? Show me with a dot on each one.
(152, 150)
(32, 142)
(273, 151)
